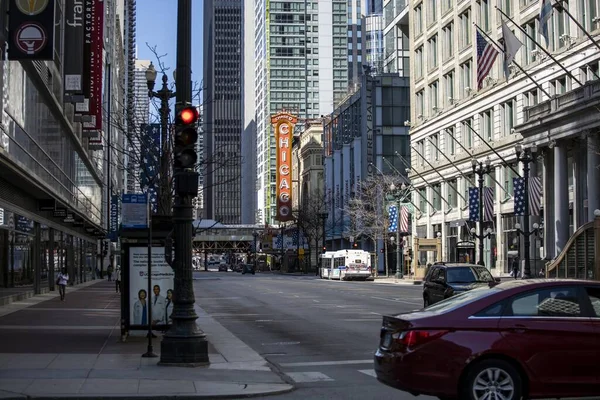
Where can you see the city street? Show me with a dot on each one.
(321, 334)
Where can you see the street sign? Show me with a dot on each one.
(134, 211)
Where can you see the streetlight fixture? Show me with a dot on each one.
(164, 95)
(537, 231)
(399, 195)
(526, 156)
(481, 169)
(324, 215)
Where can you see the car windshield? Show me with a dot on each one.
(461, 299)
(468, 274)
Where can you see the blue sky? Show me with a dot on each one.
(157, 26)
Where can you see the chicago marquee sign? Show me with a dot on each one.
(283, 125)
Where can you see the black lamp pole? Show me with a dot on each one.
(255, 234)
(324, 216)
(526, 156)
(481, 169)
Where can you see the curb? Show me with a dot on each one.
(285, 388)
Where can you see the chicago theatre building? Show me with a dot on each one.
(51, 183)
(453, 123)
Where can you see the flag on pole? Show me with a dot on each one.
(545, 15)
(473, 204)
(393, 215)
(486, 55)
(534, 195)
(488, 204)
(404, 219)
(511, 46)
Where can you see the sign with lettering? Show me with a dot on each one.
(367, 111)
(74, 35)
(93, 45)
(283, 124)
(134, 211)
(114, 218)
(31, 30)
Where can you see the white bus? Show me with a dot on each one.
(347, 265)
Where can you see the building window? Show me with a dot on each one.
(484, 15)
(593, 71)
(531, 98)
(446, 5)
(432, 57)
(449, 88)
(435, 140)
(433, 96)
(465, 79)
(509, 174)
(465, 29)
(431, 11)
(452, 186)
(508, 116)
(419, 62)
(485, 125)
(448, 48)
(506, 6)
(422, 200)
(559, 86)
(467, 133)
(420, 103)
(451, 142)
(419, 19)
(560, 28)
(530, 46)
(421, 150)
(588, 11)
(436, 191)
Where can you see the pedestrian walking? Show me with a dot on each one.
(515, 268)
(109, 271)
(118, 278)
(61, 281)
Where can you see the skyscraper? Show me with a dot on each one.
(223, 109)
(301, 66)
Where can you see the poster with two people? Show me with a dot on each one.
(161, 295)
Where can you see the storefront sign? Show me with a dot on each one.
(162, 287)
(74, 35)
(283, 124)
(31, 30)
(369, 121)
(92, 51)
(114, 218)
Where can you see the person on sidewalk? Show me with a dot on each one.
(118, 279)
(61, 281)
(109, 271)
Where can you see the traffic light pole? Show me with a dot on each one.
(184, 344)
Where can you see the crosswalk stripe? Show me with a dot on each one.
(305, 377)
(369, 372)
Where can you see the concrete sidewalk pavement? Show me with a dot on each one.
(72, 350)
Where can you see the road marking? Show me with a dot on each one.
(218, 298)
(305, 377)
(376, 313)
(57, 327)
(263, 320)
(369, 372)
(361, 319)
(280, 343)
(316, 301)
(396, 300)
(325, 363)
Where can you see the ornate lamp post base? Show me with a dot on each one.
(184, 351)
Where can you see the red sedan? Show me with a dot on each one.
(521, 339)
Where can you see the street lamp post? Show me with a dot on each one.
(324, 215)
(399, 196)
(481, 169)
(526, 156)
(526, 239)
(255, 235)
(164, 95)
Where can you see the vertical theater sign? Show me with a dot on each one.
(283, 125)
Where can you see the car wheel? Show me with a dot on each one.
(493, 379)
(426, 301)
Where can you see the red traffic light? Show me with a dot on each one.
(187, 115)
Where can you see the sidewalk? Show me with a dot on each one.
(72, 350)
(393, 280)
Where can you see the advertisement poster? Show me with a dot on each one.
(162, 287)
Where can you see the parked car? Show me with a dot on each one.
(223, 267)
(447, 279)
(520, 339)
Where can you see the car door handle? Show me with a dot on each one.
(518, 328)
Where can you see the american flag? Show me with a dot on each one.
(295, 236)
(279, 241)
(534, 195)
(403, 219)
(488, 204)
(393, 219)
(486, 55)
(473, 204)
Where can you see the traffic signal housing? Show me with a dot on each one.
(186, 136)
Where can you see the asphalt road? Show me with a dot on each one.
(321, 334)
